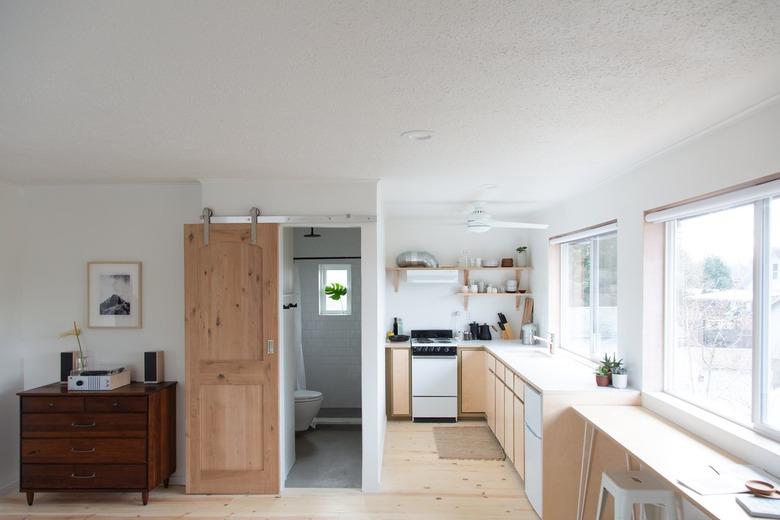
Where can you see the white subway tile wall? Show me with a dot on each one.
(331, 344)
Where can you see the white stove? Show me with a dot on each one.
(434, 376)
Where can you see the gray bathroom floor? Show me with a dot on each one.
(340, 413)
(327, 457)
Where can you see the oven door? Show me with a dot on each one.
(434, 376)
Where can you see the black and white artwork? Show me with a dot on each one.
(115, 293)
(114, 290)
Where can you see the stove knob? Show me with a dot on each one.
(436, 349)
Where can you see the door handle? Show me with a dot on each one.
(269, 346)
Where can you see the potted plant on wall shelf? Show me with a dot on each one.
(522, 256)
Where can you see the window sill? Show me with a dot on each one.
(743, 442)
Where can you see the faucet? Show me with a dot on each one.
(550, 342)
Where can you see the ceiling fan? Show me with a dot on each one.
(480, 221)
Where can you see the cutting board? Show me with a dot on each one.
(528, 311)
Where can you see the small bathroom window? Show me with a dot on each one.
(335, 289)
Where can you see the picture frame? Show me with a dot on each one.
(114, 295)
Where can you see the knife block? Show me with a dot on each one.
(507, 332)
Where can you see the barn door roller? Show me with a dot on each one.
(206, 216)
(254, 213)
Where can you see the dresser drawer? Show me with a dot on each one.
(84, 451)
(83, 425)
(52, 404)
(83, 476)
(115, 404)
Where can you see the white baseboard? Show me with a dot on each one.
(178, 480)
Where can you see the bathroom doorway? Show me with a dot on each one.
(321, 317)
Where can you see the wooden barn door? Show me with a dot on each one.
(231, 309)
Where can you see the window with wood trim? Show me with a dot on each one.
(588, 301)
(722, 309)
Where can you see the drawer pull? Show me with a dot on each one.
(51, 405)
(79, 425)
(73, 475)
(114, 404)
(76, 450)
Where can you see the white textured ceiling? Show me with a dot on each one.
(540, 97)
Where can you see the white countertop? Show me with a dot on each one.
(557, 373)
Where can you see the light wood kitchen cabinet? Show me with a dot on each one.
(519, 436)
(499, 386)
(490, 392)
(399, 382)
(472, 382)
(509, 421)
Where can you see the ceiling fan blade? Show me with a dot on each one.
(518, 225)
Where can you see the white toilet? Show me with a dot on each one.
(307, 404)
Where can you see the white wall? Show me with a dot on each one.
(67, 226)
(287, 371)
(291, 197)
(372, 253)
(742, 149)
(11, 367)
(433, 305)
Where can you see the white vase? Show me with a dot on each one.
(521, 259)
(620, 380)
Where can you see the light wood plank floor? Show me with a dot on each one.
(416, 484)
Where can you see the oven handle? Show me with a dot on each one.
(434, 357)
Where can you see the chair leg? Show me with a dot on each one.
(600, 504)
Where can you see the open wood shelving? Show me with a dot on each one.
(396, 272)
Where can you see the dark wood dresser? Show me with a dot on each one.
(117, 440)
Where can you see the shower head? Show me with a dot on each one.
(312, 234)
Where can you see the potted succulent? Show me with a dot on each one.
(603, 371)
(620, 376)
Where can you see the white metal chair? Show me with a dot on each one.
(636, 487)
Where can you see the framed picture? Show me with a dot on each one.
(114, 295)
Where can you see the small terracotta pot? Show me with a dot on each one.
(602, 380)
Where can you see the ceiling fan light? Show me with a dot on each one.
(477, 227)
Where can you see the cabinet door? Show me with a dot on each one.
(490, 398)
(509, 424)
(399, 382)
(519, 447)
(472, 381)
(499, 411)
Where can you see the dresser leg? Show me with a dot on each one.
(166, 482)
(145, 497)
(30, 497)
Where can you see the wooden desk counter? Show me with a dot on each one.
(660, 446)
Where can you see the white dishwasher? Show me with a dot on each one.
(533, 448)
